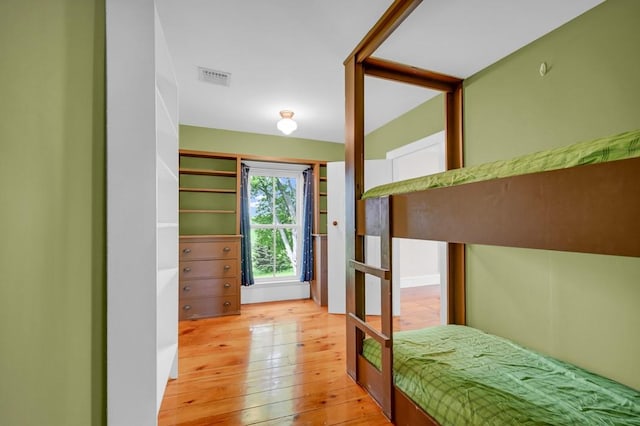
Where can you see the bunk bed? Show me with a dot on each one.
(532, 207)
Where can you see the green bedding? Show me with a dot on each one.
(463, 376)
(618, 147)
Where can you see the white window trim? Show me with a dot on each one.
(261, 168)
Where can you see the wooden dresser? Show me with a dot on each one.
(209, 276)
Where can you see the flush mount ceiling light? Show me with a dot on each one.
(286, 125)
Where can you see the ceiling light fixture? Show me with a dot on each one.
(286, 125)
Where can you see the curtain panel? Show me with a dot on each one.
(306, 271)
(245, 228)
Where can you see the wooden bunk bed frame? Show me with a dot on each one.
(542, 210)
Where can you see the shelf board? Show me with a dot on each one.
(219, 191)
(186, 171)
(322, 194)
(323, 178)
(207, 211)
(323, 212)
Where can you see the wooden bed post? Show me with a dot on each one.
(354, 186)
(354, 162)
(456, 312)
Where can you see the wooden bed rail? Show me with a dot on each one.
(358, 64)
(379, 383)
(544, 210)
(383, 339)
(383, 274)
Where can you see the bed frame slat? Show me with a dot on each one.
(379, 337)
(381, 273)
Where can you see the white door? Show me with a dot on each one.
(336, 263)
(420, 262)
(377, 172)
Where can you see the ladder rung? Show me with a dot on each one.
(384, 340)
(384, 274)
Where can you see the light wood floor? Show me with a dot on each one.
(277, 363)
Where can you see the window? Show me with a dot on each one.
(275, 200)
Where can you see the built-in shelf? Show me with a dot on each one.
(218, 191)
(206, 211)
(207, 172)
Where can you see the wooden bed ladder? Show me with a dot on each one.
(381, 388)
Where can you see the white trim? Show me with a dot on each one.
(427, 142)
(269, 165)
(420, 280)
(274, 291)
(297, 227)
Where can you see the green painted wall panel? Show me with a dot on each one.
(227, 141)
(590, 90)
(577, 307)
(52, 219)
(581, 308)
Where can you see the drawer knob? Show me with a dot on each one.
(187, 269)
(186, 307)
(227, 267)
(227, 304)
(227, 285)
(226, 249)
(186, 288)
(186, 251)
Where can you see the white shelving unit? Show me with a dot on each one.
(142, 214)
(167, 215)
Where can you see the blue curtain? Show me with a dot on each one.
(307, 227)
(245, 228)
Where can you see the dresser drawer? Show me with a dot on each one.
(208, 269)
(194, 308)
(212, 287)
(200, 250)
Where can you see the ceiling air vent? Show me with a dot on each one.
(220, 78)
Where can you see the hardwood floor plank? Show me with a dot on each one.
(353, 412)
(280, 363)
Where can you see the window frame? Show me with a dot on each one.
(287, 171)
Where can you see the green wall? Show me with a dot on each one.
(52, 219)
(581, 308)
(217, 140)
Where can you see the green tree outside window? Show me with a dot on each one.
(272, 201)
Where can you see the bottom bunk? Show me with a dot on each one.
(462, 376)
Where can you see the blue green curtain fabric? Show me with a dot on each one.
(245, 228)
(306, 271)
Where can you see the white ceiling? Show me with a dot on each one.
(289, 54)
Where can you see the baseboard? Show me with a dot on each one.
(272, 292)
(420, 280)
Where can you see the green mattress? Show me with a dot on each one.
(463, 376)
(618, 147)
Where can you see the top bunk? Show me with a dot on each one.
(583, 197)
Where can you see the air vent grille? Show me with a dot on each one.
(220, 78)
